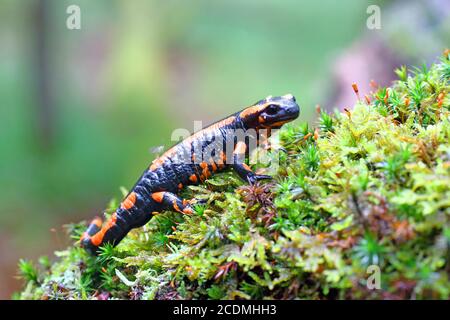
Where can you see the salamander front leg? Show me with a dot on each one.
(241, 168)
(247, 174)
(170, 200)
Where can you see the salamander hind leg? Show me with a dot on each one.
(170, 200)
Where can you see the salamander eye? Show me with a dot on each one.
(271, 109)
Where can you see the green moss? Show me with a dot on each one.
(368, 186)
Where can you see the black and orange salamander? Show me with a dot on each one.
(189, 162)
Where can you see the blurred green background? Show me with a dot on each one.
(81, 110)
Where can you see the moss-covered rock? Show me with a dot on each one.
(368, 190)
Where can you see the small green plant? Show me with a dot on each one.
(326, 122)
(28, 271)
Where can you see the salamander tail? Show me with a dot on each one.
(86, 239)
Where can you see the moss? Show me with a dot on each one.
(370, 186)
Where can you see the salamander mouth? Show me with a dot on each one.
(278, 124)
(291, 116)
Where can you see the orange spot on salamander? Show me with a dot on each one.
(206, 173)
(261, 119)
(251, 111)
(158, 196)
(193, 178)
(224, 122)
(97, 239)
(97, 221)
(278, 124)
(175, 206)
(180, 186)
(213, 164)
(129, 202)
(222, 160)
(246, 167)
(157, 163)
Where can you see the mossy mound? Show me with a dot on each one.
(368, 190)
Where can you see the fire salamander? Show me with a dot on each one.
(221, 145)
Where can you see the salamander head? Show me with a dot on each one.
(271, 112)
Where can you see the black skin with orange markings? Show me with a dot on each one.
(157, 188)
